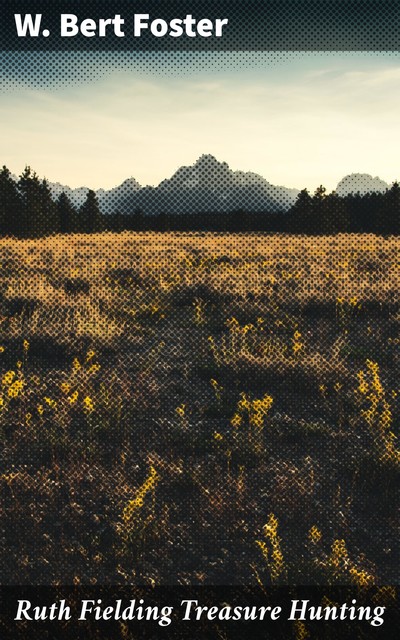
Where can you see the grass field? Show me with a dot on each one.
(199, 409)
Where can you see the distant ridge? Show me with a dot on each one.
(361, 183)
(208, 186)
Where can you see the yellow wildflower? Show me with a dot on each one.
(8, 378)
(271, 527)
(181, 410)
(73, 398)
(94, 368)
(297, 342)
(217, 388)
(360, 577)
(236, 420)
(363, 386)
(137, 502)
(339, 556)
(314, 534)
(15, 388)
(301, 632)
(88, 404)
(272, 555)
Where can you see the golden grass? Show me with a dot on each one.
(188, 384)
(302, 268)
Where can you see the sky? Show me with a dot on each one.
(299, 121)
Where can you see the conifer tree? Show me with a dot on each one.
(333, 216)
(388, 221)
(48, 221)
(302, 213)
(10, 205)
(30, 191)
(91, 219)
(66, 214)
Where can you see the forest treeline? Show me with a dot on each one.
(28, 209)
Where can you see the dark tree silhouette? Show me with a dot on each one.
(318, 209)
(28, 209)
(389, 215)
(332, 214)
(91, 219)
(30, 191)
(48, 221)
(10, 203)
(67, 216)
(302, 214)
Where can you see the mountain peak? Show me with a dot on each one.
(129, 183)
(361, 183)
(206, 159)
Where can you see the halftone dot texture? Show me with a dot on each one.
(207, 186)
(198, 408)
(60, 69)
(176, 407)
(286, 25)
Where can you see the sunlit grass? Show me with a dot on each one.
(207, 392)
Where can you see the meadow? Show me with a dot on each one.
(188, 408)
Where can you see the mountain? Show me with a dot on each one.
(110, 200)
(77, 196)
(208, 186)
(119, 198)
(361, 183)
